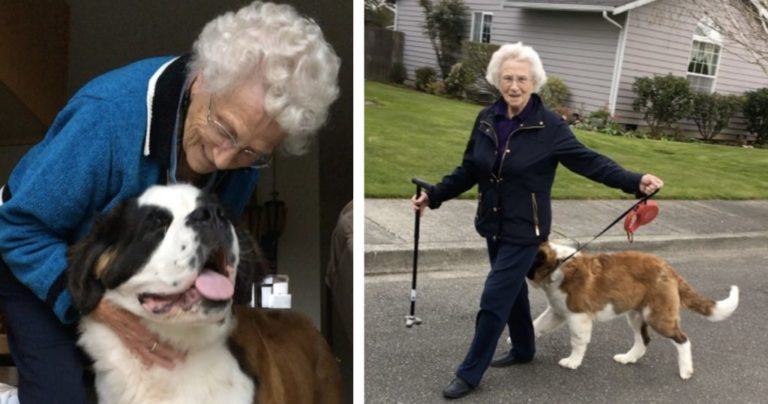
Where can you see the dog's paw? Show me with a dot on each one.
(570, 363)
(686, 374)
(625, 358)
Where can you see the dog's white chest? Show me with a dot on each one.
(206, 376)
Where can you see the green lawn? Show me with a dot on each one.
(408, 133)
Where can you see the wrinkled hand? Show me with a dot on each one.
(136, 337)
(420, 203)
(650, 183)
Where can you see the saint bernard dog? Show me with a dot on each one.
(171, 257)
(642, 287)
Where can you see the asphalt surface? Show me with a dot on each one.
(414, 365)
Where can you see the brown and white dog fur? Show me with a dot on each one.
(154, 256)
(640, 286)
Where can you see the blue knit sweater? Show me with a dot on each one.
(94, 156)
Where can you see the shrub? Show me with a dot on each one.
(458, 80)
(566, 113)
(425, 76)
(712, 112)
(436, 88)
(444, 25)
(475, 59)
(554, 93)
(397, 73)
(600, 118)
(663, 100)
(756, 113)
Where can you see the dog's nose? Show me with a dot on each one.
(207, 214)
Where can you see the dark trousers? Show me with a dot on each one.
(43, 349)
(504, 302)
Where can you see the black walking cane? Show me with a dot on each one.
(411, 319)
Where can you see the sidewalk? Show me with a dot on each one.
(448, 240)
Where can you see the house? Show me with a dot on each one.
(600, 47)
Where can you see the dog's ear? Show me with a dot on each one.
(90, 257)
(251, 268)
(542, 260)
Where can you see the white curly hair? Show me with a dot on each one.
(286, 54)
(519, 52)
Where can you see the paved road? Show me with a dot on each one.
(413, 365)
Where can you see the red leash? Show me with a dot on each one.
(642, 211)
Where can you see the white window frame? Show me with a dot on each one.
(482, 23)
(715, 40)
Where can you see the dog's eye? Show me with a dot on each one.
(159, 221)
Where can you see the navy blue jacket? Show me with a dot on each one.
(515, 200)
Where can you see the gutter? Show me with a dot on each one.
(631, 6)
(576, 7)
(605, 16)
(554, 6)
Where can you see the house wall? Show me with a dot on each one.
(659, 41)
(579, 48)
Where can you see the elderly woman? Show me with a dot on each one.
(512, 154)
(258, 79)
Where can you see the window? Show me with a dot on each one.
(705, 56)
(481, 26)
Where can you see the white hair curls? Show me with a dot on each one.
(519, 52)
(283, 52)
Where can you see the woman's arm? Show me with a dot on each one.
(65, 179)
(460, 180)
(585, 161)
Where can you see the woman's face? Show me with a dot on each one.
(516, 84)
(214, 121)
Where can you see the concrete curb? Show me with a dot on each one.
(398, 258)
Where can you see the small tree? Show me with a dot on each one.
(756, 112)
(444, 25)
(475, 58)
(663, 100)
(712, 113)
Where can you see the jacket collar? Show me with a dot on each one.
(167, 103)
(532, 118)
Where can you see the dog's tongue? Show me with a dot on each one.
(214, 286)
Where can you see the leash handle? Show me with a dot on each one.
(643, 200)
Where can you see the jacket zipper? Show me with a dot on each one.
(506, 145)
(535, 214)
(495, 138)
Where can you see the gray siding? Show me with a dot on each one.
(579, 48)
(417, 50)
(659, 40)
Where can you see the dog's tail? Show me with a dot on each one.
(715, 311)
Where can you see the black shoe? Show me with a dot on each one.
(457, 389)
(508, 360)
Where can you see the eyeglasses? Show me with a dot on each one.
(256, 159)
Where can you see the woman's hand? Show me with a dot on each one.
(137, 338)
(420, 203)
(650, 183)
